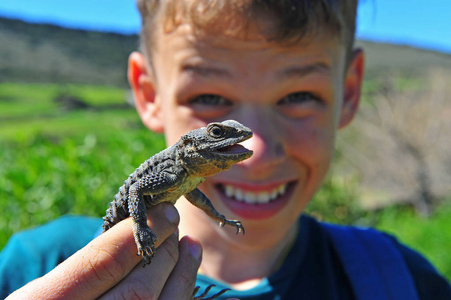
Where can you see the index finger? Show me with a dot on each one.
(102, 263)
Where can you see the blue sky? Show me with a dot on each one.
(421, 23)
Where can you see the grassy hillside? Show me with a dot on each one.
(382, 59)
(47, 53)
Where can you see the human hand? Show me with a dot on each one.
(108, 267)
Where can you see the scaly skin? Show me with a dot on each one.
(175, 172)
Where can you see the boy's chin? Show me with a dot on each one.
(255, 206)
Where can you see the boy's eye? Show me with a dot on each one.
(210, 100)
(300, 104)
(298, 98)
(210, 106)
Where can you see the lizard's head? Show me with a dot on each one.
(212, 149)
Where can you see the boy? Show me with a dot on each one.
(288, 70)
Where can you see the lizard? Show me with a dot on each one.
(178, 171)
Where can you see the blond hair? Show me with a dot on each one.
(291, 20)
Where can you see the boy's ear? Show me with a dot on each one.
(142, 82)
(353, 87)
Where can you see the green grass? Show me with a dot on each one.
(56, 162)
(31, 109)
(43, 177)
(429, 236)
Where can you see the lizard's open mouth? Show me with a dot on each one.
(236, 150)
(233, 149)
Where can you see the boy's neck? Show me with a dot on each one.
(241, 265)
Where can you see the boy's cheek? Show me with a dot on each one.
(313, 147)
(317, 132)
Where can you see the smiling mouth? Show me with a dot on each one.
(261, 197)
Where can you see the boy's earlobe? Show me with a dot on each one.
(352, 87)
(144, 93)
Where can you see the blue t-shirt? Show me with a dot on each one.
(311, 269)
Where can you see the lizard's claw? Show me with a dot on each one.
(145, 240)
(201, 296)
(147, 254)
(239, 226)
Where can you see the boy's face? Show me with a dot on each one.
(293, 98)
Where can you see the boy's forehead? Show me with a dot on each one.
(251, 39)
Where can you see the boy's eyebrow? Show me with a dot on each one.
(206, 71)
(290, 72)
(301, 71)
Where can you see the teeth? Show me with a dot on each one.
(229, 191)
(263, 197)
(250, 197)
(254, 198)
(274, 193)
(239, 195)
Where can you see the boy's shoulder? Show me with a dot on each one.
(372, 262)
(372, 259)
(38, 250)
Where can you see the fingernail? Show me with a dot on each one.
(196, 251)
(171, 214)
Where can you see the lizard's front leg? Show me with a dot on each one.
(198, 199)
(145, 239)
(150, 184)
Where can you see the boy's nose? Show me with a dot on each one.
(267, 144)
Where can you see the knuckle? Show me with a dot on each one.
(101, 266)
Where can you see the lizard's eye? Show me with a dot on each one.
(215, 131)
